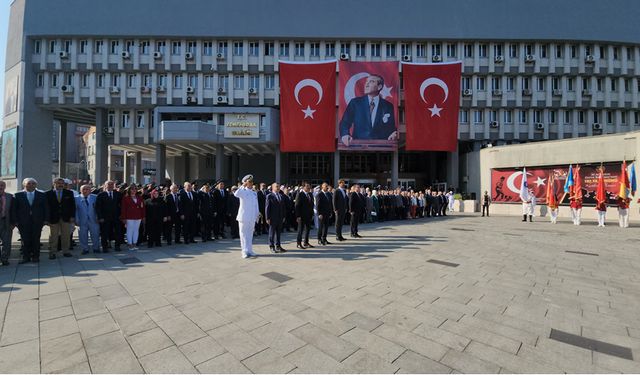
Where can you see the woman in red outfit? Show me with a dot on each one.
(132, 214)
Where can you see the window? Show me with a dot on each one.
(269, 82)
(523, 116)
(193, 80)
(599, 84)
(609, 117)
(269, 49)
(140, 119)
(314, 49)
(128, 46)
(162, 80)
(208, 82)
(627, 85)
(616, 53)
(284, 49)
(482, 50)
(146, 80)
(36, 47)
(131, 81)
(552, 116)
(630, 53)
(623, 118)
(176, 48)
(595, 116)
(555, 83)
(144, 47)
(85, 80)
(574, 51)
(391, 50)
(421, 50)
(464, 116)
(543, 51)
(537, 116)
(222, 48)
(587, 50)
(67, 46)
(223, 82)
(68, 79)
(508, 116)
(493, 115)
(254, 48)
(559, 50)
(111, 119)
(192, 46)
(125, 120)
(529, 49)
(238, 48)
(511, 83)
(495, 83)
(360, 49)
(567, 117)
(478, 116)
(238, 82)
(580, 117)
(100, 80)
(525, 83)
(115, 47)
(480, 83)
(375, 49)
(299, 49)
(497, 50)
(177, 81)
(161, 46)
(636, 118)
(569, 84)
(39, 80)
(614, 85)
(329, 49)
(436, 50)
(540, 84)
(513, 51)
(466, 83)
(345, 48)
(53, 45)
(207, 48)
(585, 83)
(468, 50)
(451, 50)
(83, 47)
(405, 49)
(254, 81)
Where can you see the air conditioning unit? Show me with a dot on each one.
(467, 92)
(145, 89)
(497, 92)
(406, 58)
(589, 59)
(220, 56)
(110, 130)
(221, 90)
(557, 92)
(596, 126)
(114, 90)
(526, 92)
(529, 58)
(344, 56)
(436, 58)
(188, 56)
(161, 89)
(539, 126)
(125, 55)
(157, 55)
(493, 124)
(253, 91)
(63, 54)
(190, 90)
(192, 100)
(222, 99)
(498, 59)
(67, 89)
(586, 92)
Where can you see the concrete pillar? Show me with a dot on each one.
(138, 167)
(126, 161)
(453, 174)
(186, 158)
(219, 161)
(432, 167)
(278, 166)
(62, 149)
(235, 167)
(161, 163)
(103, 152)
(395, 163)
(336, 167)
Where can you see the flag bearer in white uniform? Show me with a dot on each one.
(247, 215)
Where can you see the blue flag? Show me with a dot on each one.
(569, 183)
(632, 179)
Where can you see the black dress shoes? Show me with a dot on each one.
(299, 246)
(281, 250)
(327, 242)
(308, 245)
(273, 249)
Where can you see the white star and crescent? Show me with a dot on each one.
(435, 110)
(308, 112)
(539, 181)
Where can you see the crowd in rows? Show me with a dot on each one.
(112, 215)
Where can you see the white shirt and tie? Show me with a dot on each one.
(373, 108)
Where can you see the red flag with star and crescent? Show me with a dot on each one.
(432, 104)
(308, 106)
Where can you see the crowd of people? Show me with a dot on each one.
(112, 216)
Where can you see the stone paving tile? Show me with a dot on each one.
(467, 363)
(309, 359)
(21, 358)
(20, 323)
(364, 362)
(205, 317)
(362, 321)
(223, 364)
(239, 343)
(53, 301)
(148, 342)
(374, 344)
(509, 361)
(478, 334)
(110, 353)
(202, 350)
(132, 319)
(167, 361)
(90, 306)
(276, 335)
(54, 328)
(79, 368)
(411, 362)
(97, 325)
(269, 362)
(418, 344)
(61, 353)
(330, 344)
(325, 321)
(452, 340)
(181, 330)
(56, 313)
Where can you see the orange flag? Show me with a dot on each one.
(552, 200)
(601, 195)
(578, 183)
(624, 181)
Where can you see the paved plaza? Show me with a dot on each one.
(456, 294)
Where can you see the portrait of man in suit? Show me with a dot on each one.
(368, 117)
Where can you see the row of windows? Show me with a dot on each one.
(469, 50)
(557, 83)
(134, 81)
(126, 119)
(537, 116)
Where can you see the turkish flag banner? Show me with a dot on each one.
(308, 106)
(432, 104)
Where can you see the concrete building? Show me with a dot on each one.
(159, 80)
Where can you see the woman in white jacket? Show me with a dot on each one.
(247, 215)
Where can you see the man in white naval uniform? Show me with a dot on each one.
(247, 215)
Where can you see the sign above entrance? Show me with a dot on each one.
(241, 125)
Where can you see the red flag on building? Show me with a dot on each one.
(432, 104)
(307, 106)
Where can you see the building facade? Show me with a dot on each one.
(164, 83)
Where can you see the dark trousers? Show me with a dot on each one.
(188, 227)
(175, 226)
(153, 230)
(485, 208)
(206, 225)
(323, 227)
(5, 236)
(304, 226)
(30, 235)
(339, 223)
(354, 223)
(235, 228)
(218, 225)
(111, 230)
(274, 234)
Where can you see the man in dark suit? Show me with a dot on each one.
(356, 205)
(108, 206)
(369, 116)
(62, 214)
(32, 213)
(7, 222)
(262, 198)
(220, 203)
(340, 207)
(304, 215)
(206, 211)
(323, 207)
(188, 208)
(174, 224)
(275, 210)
